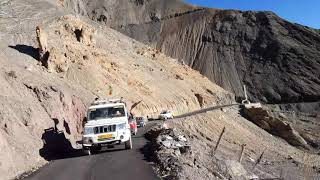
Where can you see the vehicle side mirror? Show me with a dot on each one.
(84, 121)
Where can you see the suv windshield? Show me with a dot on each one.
(107, 112)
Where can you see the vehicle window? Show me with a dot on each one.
(109, 112)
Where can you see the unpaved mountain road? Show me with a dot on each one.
(114, 163)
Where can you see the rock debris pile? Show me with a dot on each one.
(175, 157)
(167, 146)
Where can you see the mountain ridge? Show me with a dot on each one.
(277, 60)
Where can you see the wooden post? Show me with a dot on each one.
(242, 152)
(281, 173)
(258, 160)
(218, 142)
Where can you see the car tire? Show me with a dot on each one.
(87, 152)
(128, 144)
(95, 150)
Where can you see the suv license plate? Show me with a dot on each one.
(105, 136)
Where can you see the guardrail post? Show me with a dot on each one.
(242, 152)
(218, 142)
(258, 161)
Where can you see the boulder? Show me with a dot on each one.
(276, 125)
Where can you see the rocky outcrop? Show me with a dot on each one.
(277, 125)
(73, 30)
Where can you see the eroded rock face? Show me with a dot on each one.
(74, 31)
(277, 60)
(119, 13)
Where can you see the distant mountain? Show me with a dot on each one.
(278, 61)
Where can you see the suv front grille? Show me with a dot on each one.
(104, 129)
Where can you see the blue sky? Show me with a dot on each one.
(305, 12)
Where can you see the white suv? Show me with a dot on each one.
(166, 115)
(107, 124)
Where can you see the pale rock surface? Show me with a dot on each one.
(38, 103)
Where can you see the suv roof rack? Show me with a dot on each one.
(106, 101)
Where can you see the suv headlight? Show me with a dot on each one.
(86, 140)
(121, 126)
(88, 130)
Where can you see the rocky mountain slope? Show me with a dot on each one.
(184, 149)
(41, 105)
(278, 61)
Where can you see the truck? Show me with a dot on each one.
(106, 125)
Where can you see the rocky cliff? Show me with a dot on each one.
(277, 60)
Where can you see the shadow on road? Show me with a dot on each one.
(56, 145)
(150, 147)
(111, 149)
(148, 152)
(25, 49)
